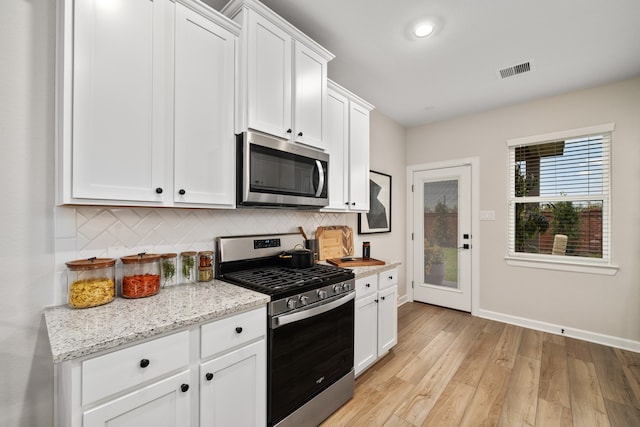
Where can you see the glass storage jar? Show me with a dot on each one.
(140, 275)
(90, 282)
(205, 266)
(188, 266)
(168, 269)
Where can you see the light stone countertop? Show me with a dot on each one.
(374, 269)
(75, 332)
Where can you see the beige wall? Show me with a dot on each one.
(388, 156)
(593, 303)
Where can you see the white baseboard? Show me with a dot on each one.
(402, 299)
(594, 337)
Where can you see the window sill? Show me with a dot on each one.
(563, 265)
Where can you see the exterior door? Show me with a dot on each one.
(442, 237)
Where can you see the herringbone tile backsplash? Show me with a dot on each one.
(84, 232)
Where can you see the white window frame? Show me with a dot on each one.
(554, 262)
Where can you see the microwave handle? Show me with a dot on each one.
(320, 178)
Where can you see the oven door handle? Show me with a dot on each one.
(285, 319)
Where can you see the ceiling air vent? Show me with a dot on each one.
(514, 70)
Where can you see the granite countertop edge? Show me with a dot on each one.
(75, 333)
(374, 269)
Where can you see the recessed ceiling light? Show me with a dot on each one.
(423, 30)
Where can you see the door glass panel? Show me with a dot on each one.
(441, 233)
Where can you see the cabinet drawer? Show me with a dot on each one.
(366, 286)
(388, 278)
(117, 371)
(233, 331)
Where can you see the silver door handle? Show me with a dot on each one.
(320, 178)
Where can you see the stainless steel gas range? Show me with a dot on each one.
(310, 326)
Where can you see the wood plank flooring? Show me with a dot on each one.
(452, 369)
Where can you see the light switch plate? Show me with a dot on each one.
(487, 215)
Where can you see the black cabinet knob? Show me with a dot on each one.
(289, 130)
(239, 330)
(209, 376)
(144, 363)
(299, 133)
(382, 298)
(376, 301)
(390, 277)
(368, 285)
(353, 203)
(184, 388)
(181, 192)
(159, 190)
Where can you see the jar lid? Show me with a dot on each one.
(139, 258)
(205, 253)
(170, 255)
(91, 263)
(188, 253)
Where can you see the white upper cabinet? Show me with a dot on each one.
(204, 143)
(348, 145)
(310, 96)
(116, 136)
(145, 104)
(283, 76)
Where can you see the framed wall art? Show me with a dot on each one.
(378, 219)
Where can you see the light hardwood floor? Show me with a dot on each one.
(452, 369)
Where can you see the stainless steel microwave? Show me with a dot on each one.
(276, 173)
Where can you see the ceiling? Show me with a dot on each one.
(570, 44)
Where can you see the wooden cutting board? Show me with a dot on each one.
(354, 262)
(334, 241)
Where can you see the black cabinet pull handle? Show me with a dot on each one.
(144, 363)
(159, 190)
(299, 133)
(239, 330)
(184, 388)
(209, 376)
(182, 192)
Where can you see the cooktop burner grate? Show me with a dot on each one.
(277, 280)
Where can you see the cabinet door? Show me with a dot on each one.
(310, 97)
(204, 101)
(358, 157)
(366, 332)
(269, 77)
(387, 320)
(337, 139)
(118, 132)
(233, 388)
(162, 404)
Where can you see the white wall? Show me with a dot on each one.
(583, 302)
(26, 217)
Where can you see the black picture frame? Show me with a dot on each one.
(378, 219)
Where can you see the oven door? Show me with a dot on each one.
(278, 173)
(309, 351)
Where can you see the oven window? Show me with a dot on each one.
(307, 357)
(275, 171)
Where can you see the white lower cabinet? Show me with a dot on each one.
(233, 387)
(376, 318)
(165, 403)
(155, 383)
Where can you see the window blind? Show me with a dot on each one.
(560, 187)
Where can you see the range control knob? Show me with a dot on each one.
(322, 294)
(337, 289)
(291, 303)
(346, 287)
(304, 300)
